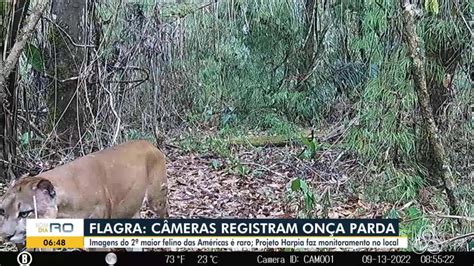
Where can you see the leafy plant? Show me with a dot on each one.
(417, 222)
(25, 138)
(311, 147)
(239, 169)
(300, 185)
(34, 57)
(216, 164)
(432, 6)
(394, 185)
(133, 134)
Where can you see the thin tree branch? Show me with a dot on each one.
(68, 36)
(20, 43)
(33, 126)
(457, 238)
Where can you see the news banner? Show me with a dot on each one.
(225, 242)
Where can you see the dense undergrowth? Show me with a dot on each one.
(245, 60)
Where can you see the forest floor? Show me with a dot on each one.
(244, 181)
(255, 182)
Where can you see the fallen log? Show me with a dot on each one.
(270, 140)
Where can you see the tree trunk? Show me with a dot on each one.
(8, 102)
(310, 24)
(65, 61)
(442, 169)
(308, 52)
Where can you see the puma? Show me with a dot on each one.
(112, 183)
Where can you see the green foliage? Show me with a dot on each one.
(300, 186)
(180, 10)
(383, 132)
(34, 57)
(432, 6)
(241, 170)
(471, 245)
(216, 164)
(392, 214)
(386, 100)
(394, 185)
(311, 147)
(277, 125)
(417, 222)
(236, 71)
(25, 138)
(206, 144)
(134, 134)
(444, 40)
(219, 146)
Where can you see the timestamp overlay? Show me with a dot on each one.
(241, 258)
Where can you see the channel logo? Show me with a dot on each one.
(54, 227)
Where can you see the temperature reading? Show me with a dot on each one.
(207, 259)
(175, 259)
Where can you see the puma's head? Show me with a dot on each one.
(18, 204)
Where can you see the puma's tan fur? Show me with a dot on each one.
(112, 183)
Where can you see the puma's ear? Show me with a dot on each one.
(45, 195)
(45, 186)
